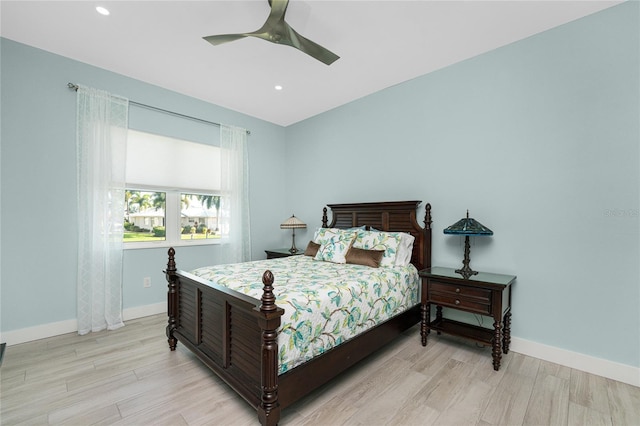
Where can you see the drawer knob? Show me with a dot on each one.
(458, 290)
(457, 302)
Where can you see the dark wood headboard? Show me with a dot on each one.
(392, 216)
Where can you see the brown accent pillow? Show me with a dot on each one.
(312, 249)
(364, 257)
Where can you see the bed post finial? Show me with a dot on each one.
(325, 219)
(171, 264)
(427, 216)
(172, 298)
(268, 299)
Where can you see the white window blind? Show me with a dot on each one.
(160, 161)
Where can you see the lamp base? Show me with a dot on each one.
(466, 271)
(293, 249)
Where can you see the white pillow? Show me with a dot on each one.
(405, 249)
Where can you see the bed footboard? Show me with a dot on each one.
(234, 334)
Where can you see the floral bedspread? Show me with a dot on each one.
(325, 303)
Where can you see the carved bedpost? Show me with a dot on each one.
(427, 216)
(172, 298)
(325, 219)
(270, 313)
(427, 230)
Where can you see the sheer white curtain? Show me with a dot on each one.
(102, 121)
(234, 204)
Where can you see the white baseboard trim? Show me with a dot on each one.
(29, 334)
(598, 366)
(43, 331)
(144, 311)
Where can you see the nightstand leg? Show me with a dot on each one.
(506, 334)
(439, 316)
(497, 343)
(424, 321)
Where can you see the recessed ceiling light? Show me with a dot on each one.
(277, 87)
(102, 11)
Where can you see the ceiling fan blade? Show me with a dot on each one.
(223, 38)
(268, 31)
(309, 47)
(278, 9)
(277, 30)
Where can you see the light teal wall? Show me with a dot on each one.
(539, 140)
(38, 221)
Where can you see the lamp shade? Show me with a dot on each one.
(468, 226)
(293, 223)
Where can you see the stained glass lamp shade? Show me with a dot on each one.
(293, 223)
(468, 227)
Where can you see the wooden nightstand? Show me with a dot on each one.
(284, 252)
(483, 294)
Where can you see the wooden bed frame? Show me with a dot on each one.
(236, 335)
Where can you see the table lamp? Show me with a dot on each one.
(468, 227)
(293, 223)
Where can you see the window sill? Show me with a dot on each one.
(167, 244)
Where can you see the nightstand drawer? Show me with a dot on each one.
(471, 299)
(468, 304)
(481, 294)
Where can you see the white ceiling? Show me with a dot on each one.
(381, 43)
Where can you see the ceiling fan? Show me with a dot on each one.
(277, 30)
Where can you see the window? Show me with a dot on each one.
(173, 192)
(144, 217)
(199, 216)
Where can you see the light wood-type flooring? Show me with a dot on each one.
(128, 376)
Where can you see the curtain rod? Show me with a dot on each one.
(73, 86)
